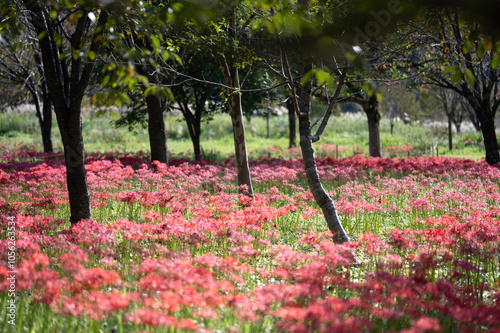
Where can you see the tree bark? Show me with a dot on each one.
(373, 116)
(320, 196)
(156, 122)
(156, 129)
(450, 133)
(193, 123)
(66, 87)
(370, 108)
(44, 115)
(229, 67)
(240, 148)
(47, 123)
(292, 124)
(70, 127)
(487, 122)
(232, 80)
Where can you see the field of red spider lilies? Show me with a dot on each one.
(176, 248)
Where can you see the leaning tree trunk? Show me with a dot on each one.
(487, 122)
(320, 196)
(292, 132)
(373, 116)
(156, 129)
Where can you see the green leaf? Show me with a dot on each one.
(155, 41)
(150, 91)
(470, 76)
(449, 70)
(457, 76)
(370, 87)
(165, 55)
(91, 55)
(468, 46)
(113, 113)
(481, 50)
(307, 76)
(105, 80)
(57, 39)
(323, 77)
(271, 28)
(42, 34)
(99, 113)
(495, 62)
(176, 57)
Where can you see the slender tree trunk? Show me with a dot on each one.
(240, 146)
(373, 116)
(44, 115)
(268, 127)
(228, 62)
(450, 133)
(475, 122)
(236, 113)
(487, 122)
(47, 121)
(193, 123)
(156, 129)
(321, 197)
(292, 124)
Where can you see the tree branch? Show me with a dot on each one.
(331, 103)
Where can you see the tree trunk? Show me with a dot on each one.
(450, 133)
(66, 88)
(228, 62)
(320, 196)
(47, 125)
(197, 148)
(475, 122)
(235, 111)
(193, 123)
(240, 146)
(373, 127)
(487, 122)
(44, 115)
(70, 128)
(156, 122)
(292, 127)
(156, 130)
(268, 127)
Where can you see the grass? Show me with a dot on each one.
(349, 132)
(425, 238)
